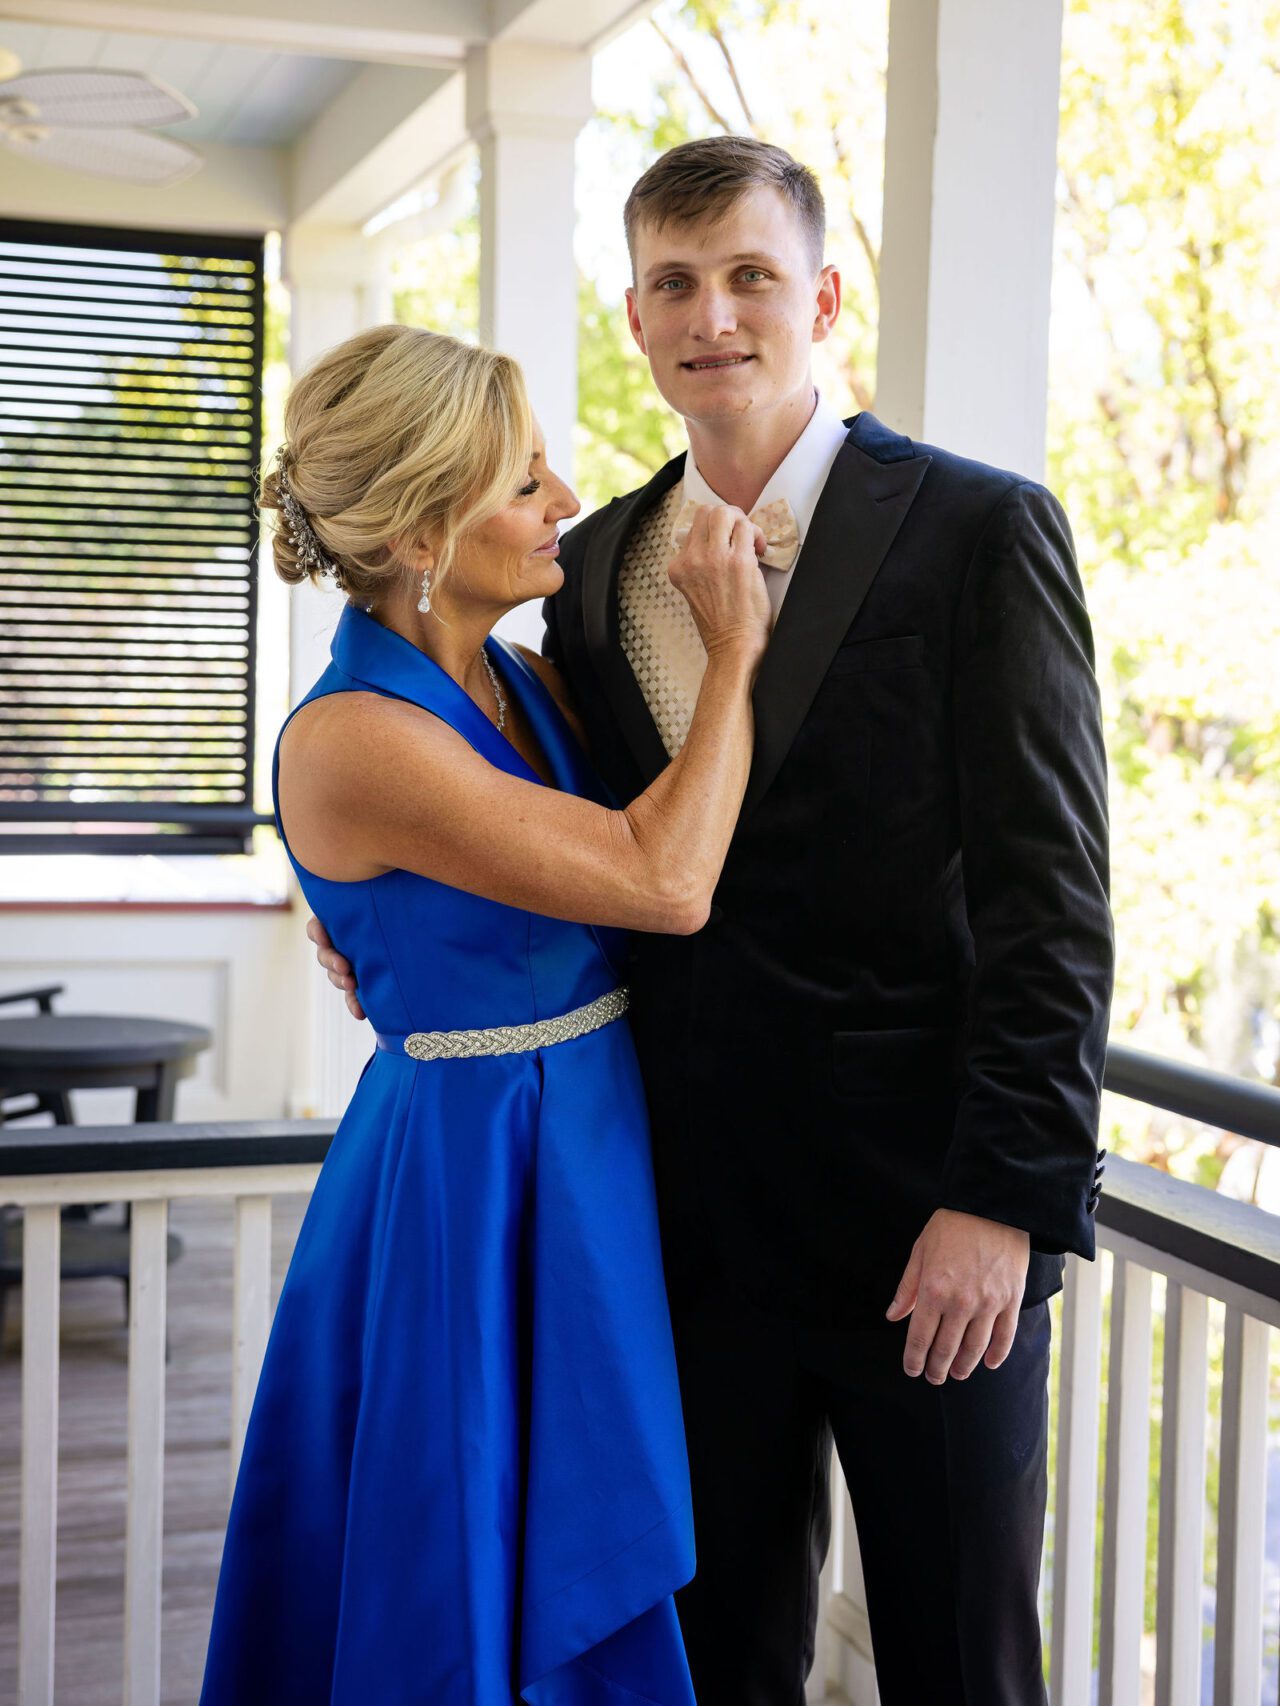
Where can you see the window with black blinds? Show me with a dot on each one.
(130, 367)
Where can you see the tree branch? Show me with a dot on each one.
(713, 112)
(860, 230)
(1111, 410)
(862, 393)
(1228, 484)
(717, 36)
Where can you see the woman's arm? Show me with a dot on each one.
(369, 784)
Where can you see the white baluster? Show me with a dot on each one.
(852, 1662)
(1124, 1521)
(38, 1548)
(1237, 1658)
(1180, 1590)
(819, 1675)
(251, 1313)
(1076, 1493)
(842, 1535)
(144, 1512)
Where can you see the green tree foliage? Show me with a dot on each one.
(625, 430)
(435, 280)
(1164, 440)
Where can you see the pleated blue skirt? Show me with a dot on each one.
(464, 1481)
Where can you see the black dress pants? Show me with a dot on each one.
(948, 1485)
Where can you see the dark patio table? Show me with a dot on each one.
(51, 1054)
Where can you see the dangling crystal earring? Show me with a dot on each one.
(424, 603)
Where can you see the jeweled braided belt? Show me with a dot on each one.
(512, 1039)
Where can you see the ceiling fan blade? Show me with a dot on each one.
(133, 155)
(90, 98)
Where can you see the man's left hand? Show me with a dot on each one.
(963, 1284)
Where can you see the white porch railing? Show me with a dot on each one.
(1217, 1264)
(149, 1191)
(1213, 1256)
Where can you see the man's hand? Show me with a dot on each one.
(964, 1281)
(339, 970)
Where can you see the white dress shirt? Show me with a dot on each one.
(656, 626)
(799, 478)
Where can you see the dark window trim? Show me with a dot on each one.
(124, 825)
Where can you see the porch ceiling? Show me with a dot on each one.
(247, 96)
(414, 31)
(307, 109)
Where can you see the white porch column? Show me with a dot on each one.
(970, 163)
(338, 285)
(525, 107)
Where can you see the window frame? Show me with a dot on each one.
(59, 826)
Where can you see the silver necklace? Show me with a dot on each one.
(499, 696)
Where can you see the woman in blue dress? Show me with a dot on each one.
(464, 1479)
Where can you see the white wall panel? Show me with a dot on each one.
(238, 972)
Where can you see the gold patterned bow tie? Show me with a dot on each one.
(777, 521)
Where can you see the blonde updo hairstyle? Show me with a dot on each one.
(396, 433)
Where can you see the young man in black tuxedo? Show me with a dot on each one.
(874, 1075)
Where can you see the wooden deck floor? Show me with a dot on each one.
(91, 1487)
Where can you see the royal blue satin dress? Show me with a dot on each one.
(464, 1481)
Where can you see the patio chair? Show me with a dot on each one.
(53, 1102)
(91, 1249)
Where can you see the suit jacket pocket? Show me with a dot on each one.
(894, 651)
(914, 1062)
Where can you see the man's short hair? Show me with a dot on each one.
(701, 180)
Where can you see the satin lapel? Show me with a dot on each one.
(601, 567)
(557, 741)
(859, 513)
(369, 653)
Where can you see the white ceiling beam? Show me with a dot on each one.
(386, 131)
(584, 24)
(404, 32)
(240, 190)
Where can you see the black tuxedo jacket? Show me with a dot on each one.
(900, 1000)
